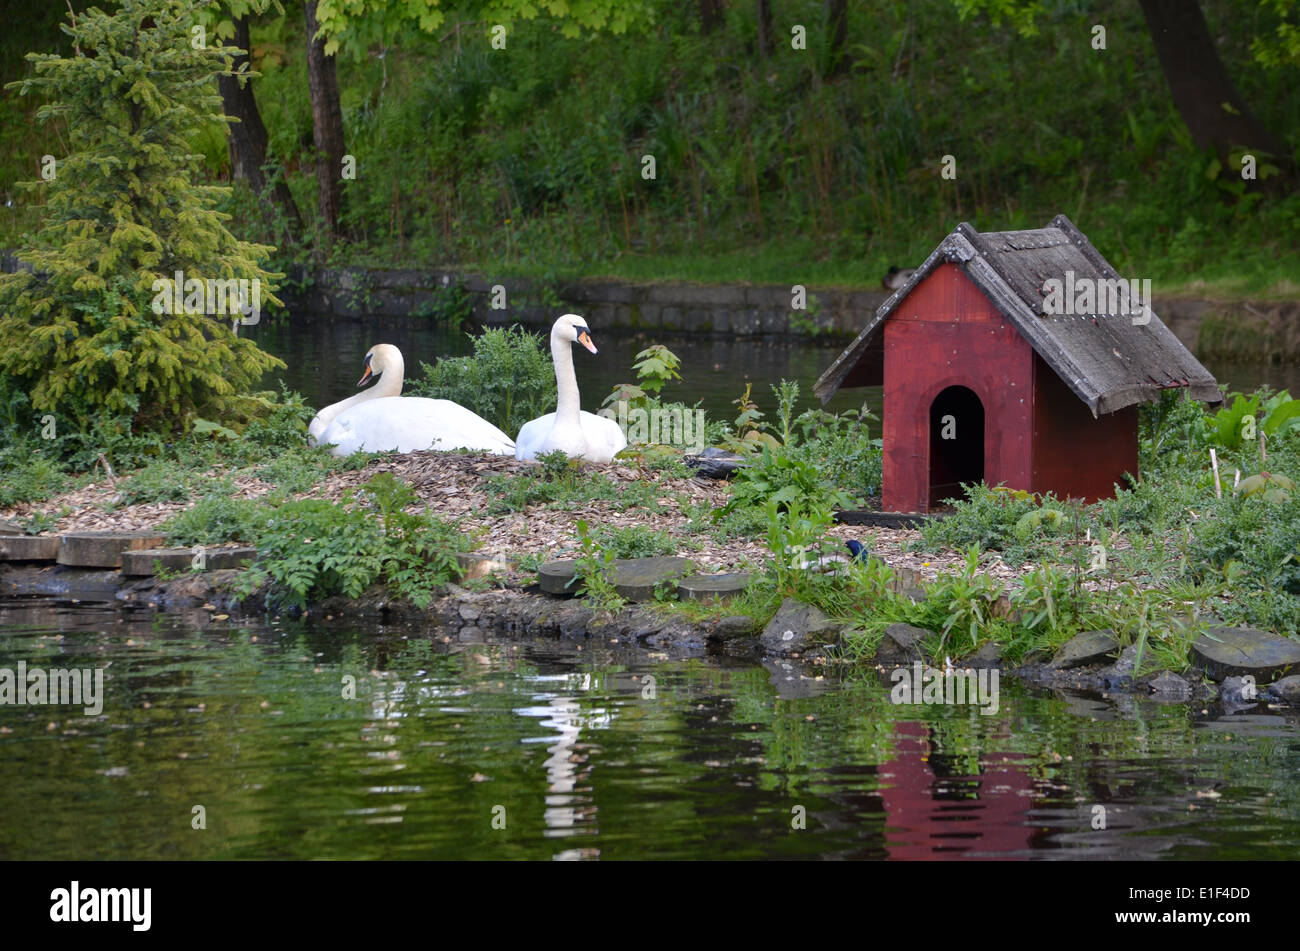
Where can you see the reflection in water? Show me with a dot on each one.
(570, 808)
(248, 720)
(933, 813)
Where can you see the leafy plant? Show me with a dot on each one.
(968, 597)
(785, 480)
(508, 380)
(594, 567)
(84, 332)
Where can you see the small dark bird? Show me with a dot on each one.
(896, 277)
(858, 549)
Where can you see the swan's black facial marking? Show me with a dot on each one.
(584, 337)
(365, 377)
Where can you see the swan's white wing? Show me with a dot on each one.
(533, 435)
(407, 424)
(605, 438)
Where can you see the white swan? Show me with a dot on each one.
(577, 434)
(379, 420)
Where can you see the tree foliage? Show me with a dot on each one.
(352, 26)
(122, 210)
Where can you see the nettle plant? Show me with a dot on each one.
(313, 549)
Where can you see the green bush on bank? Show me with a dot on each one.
(508, 379)
(311, 549)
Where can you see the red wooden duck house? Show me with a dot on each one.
(1016, 358)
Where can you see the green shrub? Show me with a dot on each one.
(636, 541)
(79, 333)
(33, 479)
(312, 549)
(781, 477)
(215, 519)
(997, 519)
(508, 380)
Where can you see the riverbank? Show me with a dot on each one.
(1091, 663)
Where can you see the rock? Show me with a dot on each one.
(29, 547)
(715, 463)
(10, 528)
(1090, 647)
(1227, 651)
(104, 549)
(1287, 690)
(1238, 693)
(147, 561)
(916, 594)
(712, 587)
(795, 627)
(468, 612)
(900, 645)
(635, 579)
(1120, 673)
(733, 627)
(1167, 685)
(988, 656)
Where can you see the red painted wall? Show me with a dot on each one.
(1074, 455)
(946, 333)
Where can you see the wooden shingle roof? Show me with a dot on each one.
(1108, 361)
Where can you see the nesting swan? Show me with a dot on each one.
(380, 420)
(577, 434)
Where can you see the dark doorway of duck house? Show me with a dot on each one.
(956, 443)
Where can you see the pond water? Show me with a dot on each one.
(324, 362)
(584, 758)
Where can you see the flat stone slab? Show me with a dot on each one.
(1236, 651)
(10, 528)
(1090, 647)
(712, 587)
(147, 561)
(104, 549)
(634, 579)
(884, 519)
(29, 547)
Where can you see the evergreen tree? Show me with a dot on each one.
(123, 210)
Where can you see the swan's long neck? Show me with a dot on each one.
(388, 384)
(568, 405)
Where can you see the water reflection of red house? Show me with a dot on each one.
(921, 824)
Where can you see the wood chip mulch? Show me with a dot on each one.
(452, 485)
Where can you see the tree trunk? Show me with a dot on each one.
(765, 45)
(247, 137)
(710, 15)
(327, 125)
(1199, 83)
(837, 29)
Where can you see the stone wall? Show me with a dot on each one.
(677, 308)
(1241, 330)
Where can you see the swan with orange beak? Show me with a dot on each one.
(578, 434)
